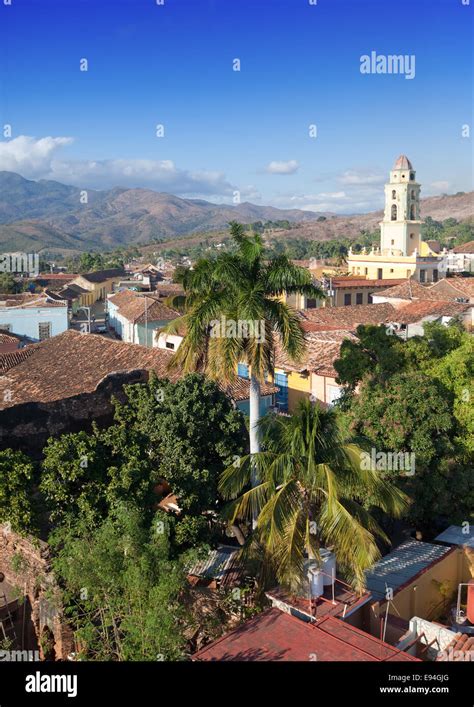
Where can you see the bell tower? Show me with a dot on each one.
(401, 225)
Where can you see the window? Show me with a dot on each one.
(169, 345)
(379, 273)
(366, 271)
(412, 176)
(412, 235)
(359, 298)
(435, 276)
(413, 194)
(44, 330)
(347, 299)
(394, 194)
(422, 275)
(243, 370)
(412, 212)
(391, 269)
(6, 327)
(392, 242)
(370, 299)
(310, 304)
(394, 212)
(281, 397)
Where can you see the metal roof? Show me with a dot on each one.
(454, 535)
(401, 565)
(217, 563)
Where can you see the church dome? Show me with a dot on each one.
(402, 162)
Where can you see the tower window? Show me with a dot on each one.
(403, 176)
(392, 242)
(412, 176)
(412, 235)
(394, 194)
(412, 212)
(412, 193)
(394, 212)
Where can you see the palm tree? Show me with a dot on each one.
(244, 289)
(310, 492)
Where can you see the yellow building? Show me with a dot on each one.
(402, 253)
(97, 285)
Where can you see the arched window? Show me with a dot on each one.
(412, 212)
(412, 176)
(412, 193)
(394, 194)
(394, 212)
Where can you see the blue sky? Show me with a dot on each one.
(247, 130)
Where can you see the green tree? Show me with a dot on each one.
(242, 287)
(8, 284)
(121, 592)
(310, 492)
(17, 505)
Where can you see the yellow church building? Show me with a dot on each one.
(402, 253)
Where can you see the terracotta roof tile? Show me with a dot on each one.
(137, 307)
(322, 349)
(351, 317)
(72, 363)
(410, 289)
(460, 649)
(417, 309)
(465, 248)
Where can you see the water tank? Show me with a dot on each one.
(315, 578)
(328, 566)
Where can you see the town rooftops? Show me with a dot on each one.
(72, 363)
(138, 308)
(276, 636)
(465, 248)
(419, 309)
(446, 289)
(322, 349)
(457, 535)
(357, 282)
(344, 601)
(402, 565)
(350, 317)
(26, 300)
(103, 275)
(460, 649)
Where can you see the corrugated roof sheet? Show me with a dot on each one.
(401, 565)
(455, 535)
(217, 564)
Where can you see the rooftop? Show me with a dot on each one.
(402, 162)
(72, 363)
(103, 275)
(26, 300)
(137, 307)
(322, 349)
(275, 636)
(419, 309)
(350, 317)
(465, 248)
(402, 565)
(457, 535)
(317, 608)
(220, 564)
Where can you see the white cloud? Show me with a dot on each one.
(289, 167)
(29, 156)
(37, 158)
(438, 187)
(355, 177)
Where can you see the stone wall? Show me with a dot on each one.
(28, 426)
(25, 562)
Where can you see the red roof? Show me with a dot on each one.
(276, 636)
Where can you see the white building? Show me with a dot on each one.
(37, 317)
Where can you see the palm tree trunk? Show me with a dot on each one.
(254, 435)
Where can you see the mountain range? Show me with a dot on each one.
(44, 214)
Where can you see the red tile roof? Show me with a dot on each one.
(409, 289)
(344, 282)
(137, 307)
(72, 363)
(350, 317)
(322, 349)
(418, 309)
(460, 649)
(276, 636)
(454, 287)
(465, 248)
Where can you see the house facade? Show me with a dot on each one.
(36, 317)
